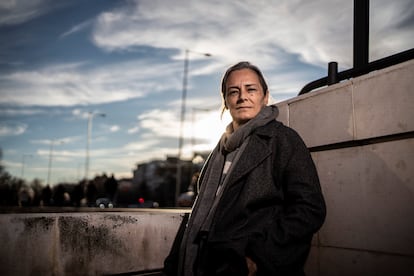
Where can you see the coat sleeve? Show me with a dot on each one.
(304, 206)
(286, 238)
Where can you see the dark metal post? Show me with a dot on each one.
(181, 137)
(361, 33)
(332, 72)
(182, 119)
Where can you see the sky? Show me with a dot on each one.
(120, 63)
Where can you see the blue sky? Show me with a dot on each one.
(60, 60)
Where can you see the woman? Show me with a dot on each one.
(260, 200)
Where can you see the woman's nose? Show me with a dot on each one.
(241, 98)
(243, 94)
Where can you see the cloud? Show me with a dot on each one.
(280, 38)
(391, 27)
(317, 32)
(144, 150)
(65, 155)
(205, 126)
(133, 130)
(77, 84)
(12, 129)
(14, 12)
(77, 28)
(114, 128)
(79, 113)
(10, 112)
(59, 141)
(251, 29)
(160, 123)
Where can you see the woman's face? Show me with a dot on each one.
(244, 96)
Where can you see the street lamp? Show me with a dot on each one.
(88, 142)
(23, 162)
(49, 171)
(182, 118)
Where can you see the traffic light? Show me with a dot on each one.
(141, 200)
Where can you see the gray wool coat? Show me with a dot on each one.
(269, 211)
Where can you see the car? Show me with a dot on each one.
(104, 202)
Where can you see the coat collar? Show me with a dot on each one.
(256, 151)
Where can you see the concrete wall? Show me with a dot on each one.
(369, 187)
(94, 243)
(366, 174)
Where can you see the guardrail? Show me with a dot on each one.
(335, 77)
(361, 53)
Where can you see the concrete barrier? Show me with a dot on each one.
(361, 133)
(86, 243)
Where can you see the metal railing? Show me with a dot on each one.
(149, 272)
(361, 52)
(335, 77)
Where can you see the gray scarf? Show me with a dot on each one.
(233, 139)
(211, 177)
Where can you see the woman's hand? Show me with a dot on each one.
(251, 266)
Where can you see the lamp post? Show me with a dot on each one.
(23, 162)
(88, 142)
(49, 170)
(182, 118)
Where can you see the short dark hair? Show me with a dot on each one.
(239, 66)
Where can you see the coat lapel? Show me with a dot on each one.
(256, 151)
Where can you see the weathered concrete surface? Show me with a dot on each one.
(85, 243)
(380, 103)
(369, 189)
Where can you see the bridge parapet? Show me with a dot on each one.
(86, 243)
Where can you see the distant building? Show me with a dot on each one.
(156, 180)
